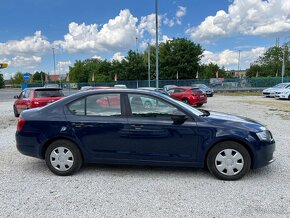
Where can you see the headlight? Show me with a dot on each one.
(265, 135)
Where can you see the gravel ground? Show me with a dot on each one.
(29, 189)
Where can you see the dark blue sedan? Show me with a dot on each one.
(114, 127)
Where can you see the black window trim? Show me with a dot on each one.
(129, 110)
(122, 104)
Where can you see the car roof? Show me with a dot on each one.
(42, 88)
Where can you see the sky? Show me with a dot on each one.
(30, 30)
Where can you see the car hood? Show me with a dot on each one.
(234, 121)
(272, 89)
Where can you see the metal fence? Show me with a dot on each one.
(215, 83)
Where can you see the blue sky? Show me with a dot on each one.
(29, 29)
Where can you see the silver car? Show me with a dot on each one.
(283, 93)
(271, 92)
(208, 91)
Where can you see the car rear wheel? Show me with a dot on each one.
(229, 160)
(289, 97)
(16, 114)
(63, 158)
(199, 105)
(185, 101)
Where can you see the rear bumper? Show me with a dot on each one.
(264, 155)
(27, 145)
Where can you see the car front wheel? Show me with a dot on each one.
(63, 158)
(185, 101)
(229, 160)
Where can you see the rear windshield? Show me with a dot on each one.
(196, 90)
(48, 93)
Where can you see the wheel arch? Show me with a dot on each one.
(243, 143)
(51, 140)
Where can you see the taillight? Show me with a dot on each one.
(20, 124)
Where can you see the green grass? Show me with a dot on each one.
(239, 93)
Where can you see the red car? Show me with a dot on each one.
(189, 95)
(35, 97)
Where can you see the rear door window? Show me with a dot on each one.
(97, 105)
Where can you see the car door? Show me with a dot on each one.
(154, 137)
(98, 122)
(23, 101)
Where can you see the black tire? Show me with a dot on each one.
(229, 169)
(289, 97)
(147, 105)
(70, 162)
(199, 105)
(16, 114)
(185, 100)
(210, 95)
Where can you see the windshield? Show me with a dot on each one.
(281, 85)
(188, 107)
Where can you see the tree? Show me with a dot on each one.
(17, 78)
(134, 66)
(1, 81)
(38, 76)
(180, 56)
(270, 63)
(211, 70)
(77, 72)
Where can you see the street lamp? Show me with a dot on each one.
(156, 18)
(283, 61)
(149, 64)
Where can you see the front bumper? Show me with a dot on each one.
(264, 155)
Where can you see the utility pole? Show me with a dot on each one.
(239, 60)
(149, 64)
(53, 61)
(156, 18)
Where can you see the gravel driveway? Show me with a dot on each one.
(29, 189)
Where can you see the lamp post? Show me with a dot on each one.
(156, 18)
(53, 62)
(283, 61)
(149, 65)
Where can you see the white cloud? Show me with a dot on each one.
(97, 57)
(230, 58)
(25, 62)
(246, 17)
(63, 67)
(181, 11)
(36, 44)
(118, 57)
(148, 23)
(118, 34)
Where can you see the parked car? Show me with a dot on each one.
(35, 97)
(160, 90)
(270, 92)
(85, 88)
(189, 95)
(206, 89)
(148, 103)
(121, 86)
(167, 87)
(79, 129)
(283, 93)
(51, 85)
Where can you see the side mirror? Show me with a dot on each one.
(179, 118)
(16, 97)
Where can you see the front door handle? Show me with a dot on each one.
(135, 126)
